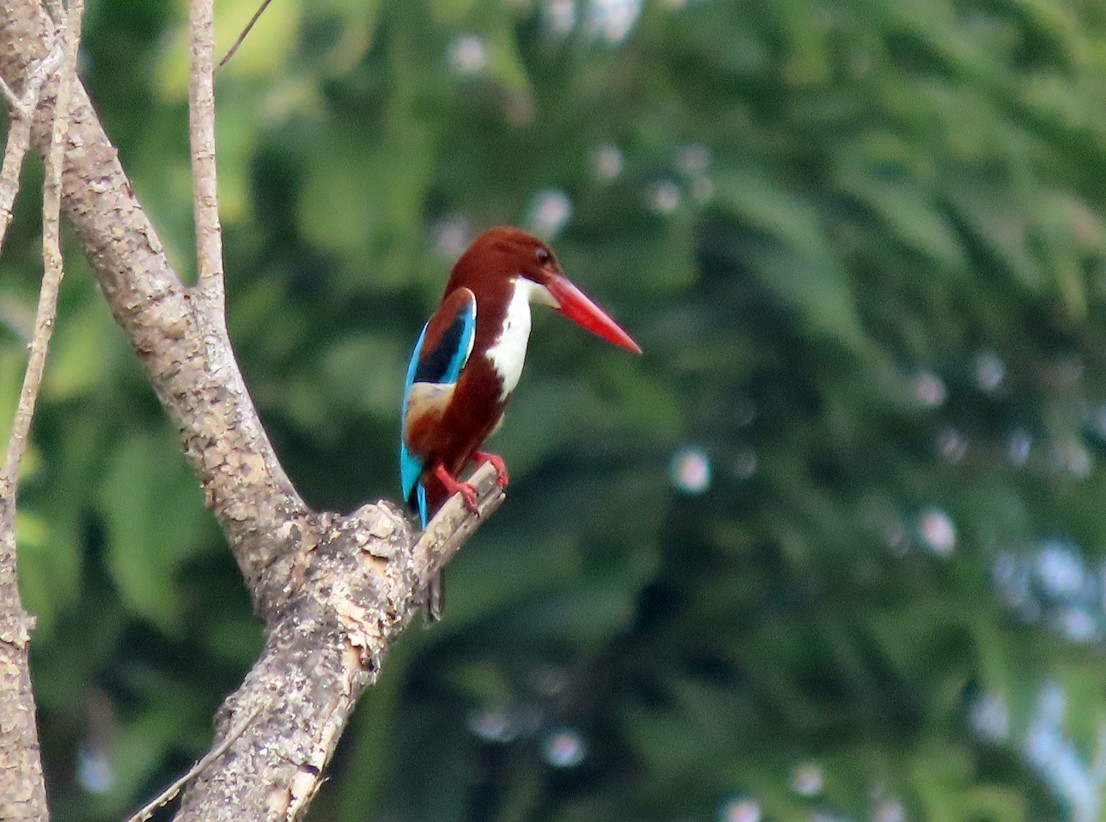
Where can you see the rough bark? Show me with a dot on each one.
(334, 591)
(22, 791)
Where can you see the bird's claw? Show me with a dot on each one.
(468, 495)
(453, 486)
(501, 479)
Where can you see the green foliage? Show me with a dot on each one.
(833, 545)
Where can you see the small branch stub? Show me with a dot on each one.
(454, 523)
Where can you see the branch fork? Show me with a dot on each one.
(333, 591)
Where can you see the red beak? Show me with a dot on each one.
(574, 304)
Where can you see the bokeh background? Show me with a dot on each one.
(834, 548)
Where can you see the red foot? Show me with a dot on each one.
(451, 485)
(480, 457)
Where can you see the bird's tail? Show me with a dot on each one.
(432, 496)
(433, 602)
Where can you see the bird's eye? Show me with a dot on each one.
(543, 256)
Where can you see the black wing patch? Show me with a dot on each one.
(441, 360)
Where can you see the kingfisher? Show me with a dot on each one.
(468, 360)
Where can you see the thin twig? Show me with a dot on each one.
(19, 139)
(51, 260)
(201, 132)
(167, 795)
(13, 99)
(245, 32)
(19, 134)
(38, 74)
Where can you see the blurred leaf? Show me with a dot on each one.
(82, 352)
(152, 509)
(268, 47)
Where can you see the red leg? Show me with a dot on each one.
(480, 457)
(452, 486)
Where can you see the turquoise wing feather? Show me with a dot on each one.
(410, 466)
(440, 355)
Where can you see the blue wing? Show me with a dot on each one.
(441, 352)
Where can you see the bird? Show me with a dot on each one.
(467, 363)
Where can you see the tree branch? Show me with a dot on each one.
(170, 793)
(201, 133)
(22, 789)
(356, 592)
(51, 260)
(334, 591)
(21, 110)
(189, 362)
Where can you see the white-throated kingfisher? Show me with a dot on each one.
(468, 360)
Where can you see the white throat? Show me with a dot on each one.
(508, 351)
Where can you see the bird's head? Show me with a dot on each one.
(503, 259)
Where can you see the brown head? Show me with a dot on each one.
(499, 257)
